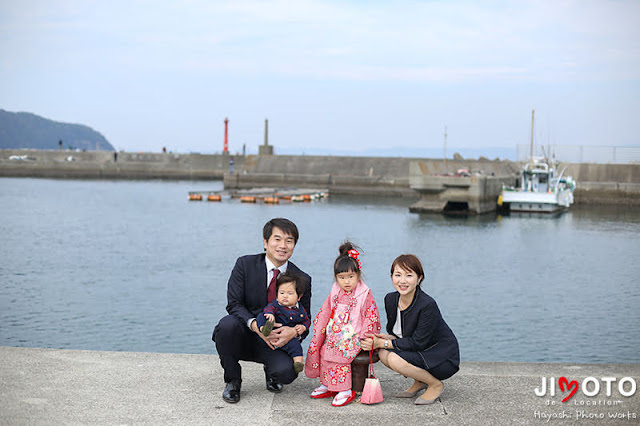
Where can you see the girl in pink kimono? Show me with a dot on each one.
(348, 313)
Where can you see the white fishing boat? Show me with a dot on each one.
(541, 188)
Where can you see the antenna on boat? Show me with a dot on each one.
(533, 113)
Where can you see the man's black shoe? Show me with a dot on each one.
(273, 386)
(231, 392)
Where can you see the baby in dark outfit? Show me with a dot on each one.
(286, 310)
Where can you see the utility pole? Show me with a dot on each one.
(533, 113)
(445, 149)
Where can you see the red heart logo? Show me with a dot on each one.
(562, 382)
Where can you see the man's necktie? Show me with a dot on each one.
(271, 290)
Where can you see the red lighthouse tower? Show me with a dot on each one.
(226, 135)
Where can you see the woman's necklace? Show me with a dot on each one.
(403, 306)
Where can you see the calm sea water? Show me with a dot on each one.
(134, 266)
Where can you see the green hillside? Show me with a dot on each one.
(26, 130)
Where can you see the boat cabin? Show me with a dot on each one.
(535, 177)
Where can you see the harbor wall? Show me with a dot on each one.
(606, 183)
(596, 183)
(114, 165)
(387, 176)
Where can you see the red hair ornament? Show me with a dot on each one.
(354, 254)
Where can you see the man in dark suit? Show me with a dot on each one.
(237, 336)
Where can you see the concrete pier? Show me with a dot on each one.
(51, 386)
(115, 165)
(475, 194)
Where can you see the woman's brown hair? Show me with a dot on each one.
(409, 262)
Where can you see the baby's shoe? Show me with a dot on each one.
(266, 328)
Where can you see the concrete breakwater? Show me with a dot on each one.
(386, 176)
(597, 183)
(111, 165)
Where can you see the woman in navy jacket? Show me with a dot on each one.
(420, 344)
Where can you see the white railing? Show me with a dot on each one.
(582, 153)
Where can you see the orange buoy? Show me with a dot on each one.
(195, 197)
(271, 200)
(213, 197)
(247, 199)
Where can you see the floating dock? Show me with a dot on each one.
(262, 195)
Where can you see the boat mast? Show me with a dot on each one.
(533, 112)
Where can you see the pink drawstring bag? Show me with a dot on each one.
(372, 392)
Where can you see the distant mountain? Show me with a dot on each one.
(26, 130)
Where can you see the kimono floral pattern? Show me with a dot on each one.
(338, 327)
(337, 375)
(372, 319)
(342, 338)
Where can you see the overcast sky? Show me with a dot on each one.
(336, 75)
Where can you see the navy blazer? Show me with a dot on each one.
(247, 287)
(423, 329)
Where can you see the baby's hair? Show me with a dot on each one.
(290, 278)
(344, 262)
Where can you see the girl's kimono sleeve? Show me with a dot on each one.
(371, 322)
(312, 363)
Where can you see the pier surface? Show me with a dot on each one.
(52, 386)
